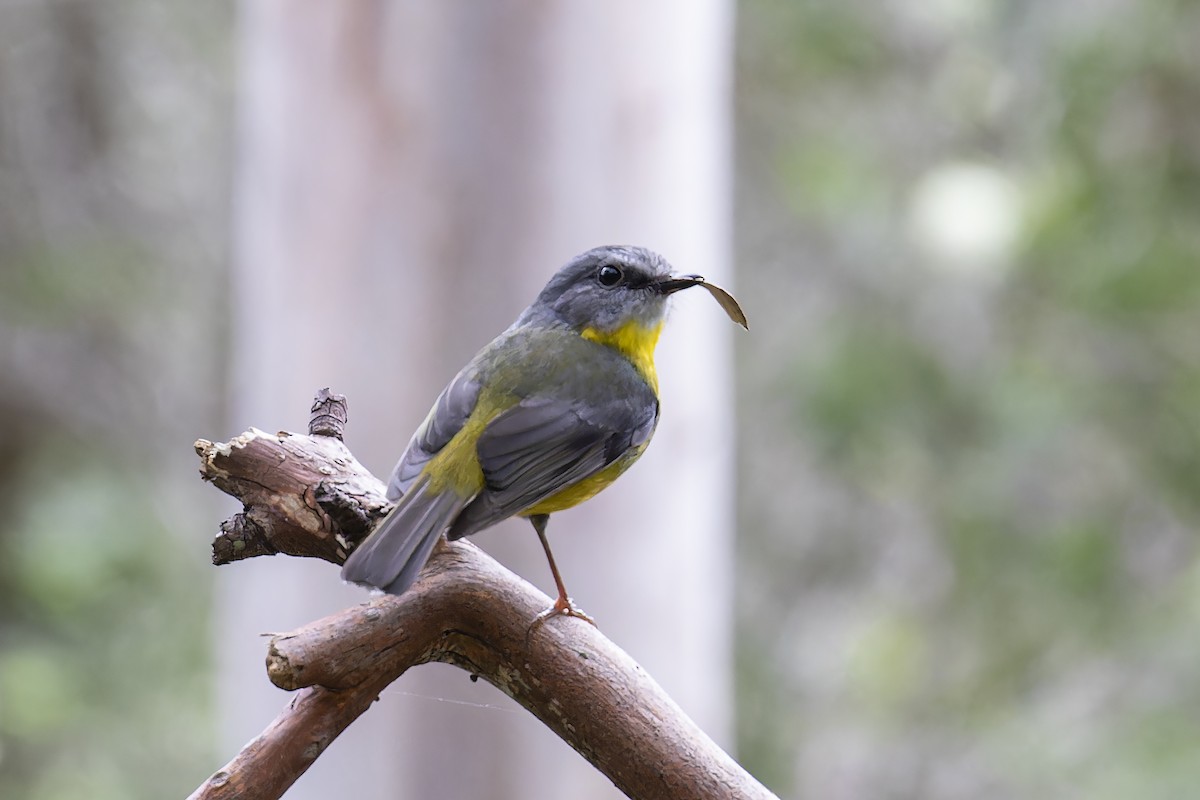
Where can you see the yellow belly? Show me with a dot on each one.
(587, 488)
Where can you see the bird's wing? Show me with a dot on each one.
(541, 446)
(445, 419)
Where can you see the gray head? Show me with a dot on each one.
(610, 286)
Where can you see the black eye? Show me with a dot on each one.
(608, 275)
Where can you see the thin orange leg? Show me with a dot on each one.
(563, 604)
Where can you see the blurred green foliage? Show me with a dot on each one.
(104, 651)
(111, 135)
(973, 573)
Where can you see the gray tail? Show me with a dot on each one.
(392, 556)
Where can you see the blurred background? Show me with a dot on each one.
(966, 418)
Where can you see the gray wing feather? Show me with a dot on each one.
(541, 446)
(449, 413)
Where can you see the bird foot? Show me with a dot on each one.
(563, 606)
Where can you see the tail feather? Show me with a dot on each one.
(393, 555)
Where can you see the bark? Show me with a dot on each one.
(306, 495)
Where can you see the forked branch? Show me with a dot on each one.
(465, 610)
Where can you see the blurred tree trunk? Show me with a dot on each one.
(410, 174)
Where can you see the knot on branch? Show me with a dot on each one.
(240, 537)
(347, 512)
(328, 414)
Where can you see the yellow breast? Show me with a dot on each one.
(636, 342)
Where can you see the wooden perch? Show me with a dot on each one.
(306, 495)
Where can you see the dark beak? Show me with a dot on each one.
(673, 284)
(723, 298)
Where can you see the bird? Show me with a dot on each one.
(544, 417)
